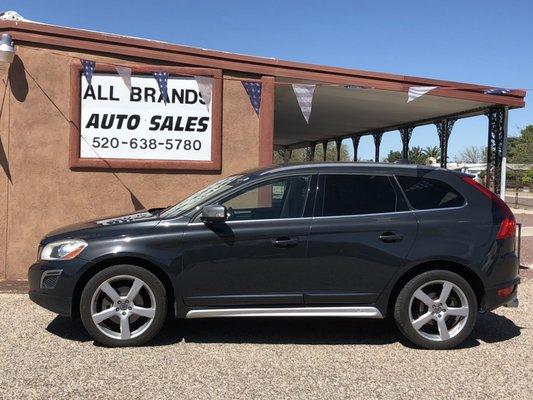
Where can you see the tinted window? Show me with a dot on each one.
(359, 194)
(281, 198)
(424, 193)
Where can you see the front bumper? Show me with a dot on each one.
(57, 304)
(55, 295)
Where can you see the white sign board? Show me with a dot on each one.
(119, 124)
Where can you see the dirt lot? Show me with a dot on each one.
(44, 356)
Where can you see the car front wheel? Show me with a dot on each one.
(123, 305)
(436, 310)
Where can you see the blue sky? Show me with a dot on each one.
(478, 41)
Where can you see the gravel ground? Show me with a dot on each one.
(525, 218)
(44, 356)
(527, 241)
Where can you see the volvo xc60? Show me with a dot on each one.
(428, 247)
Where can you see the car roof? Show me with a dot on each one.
(339, 166)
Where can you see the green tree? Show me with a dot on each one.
(527, 178)
(432, 151)
(520, 148)
(331, 153)
(393, 156)
(417, 156)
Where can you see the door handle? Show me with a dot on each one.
(285, 242)
(390, 237)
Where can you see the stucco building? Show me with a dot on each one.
(46, 179)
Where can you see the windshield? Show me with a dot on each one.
(200, 197)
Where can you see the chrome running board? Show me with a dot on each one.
(352, 312)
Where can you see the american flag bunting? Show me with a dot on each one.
(205, 86)
(417, 91)
(254, 93)
(162, 81)
(88, 69)
(304, 96)
(125, 74)
(497, 91)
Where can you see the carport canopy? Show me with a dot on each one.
(348, 111)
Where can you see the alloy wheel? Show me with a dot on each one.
(123, 307)
(438, 310)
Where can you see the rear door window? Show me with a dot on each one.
(425, 193)
(360, 194)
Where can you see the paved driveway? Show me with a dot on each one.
(44, 356)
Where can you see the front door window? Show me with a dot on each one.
(282, 198)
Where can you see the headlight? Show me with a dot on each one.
(63, 250)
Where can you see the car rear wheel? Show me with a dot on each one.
(123, 305)
(436, 310)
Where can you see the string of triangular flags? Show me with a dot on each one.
(304, 92)
(418, 91)
(205, 84)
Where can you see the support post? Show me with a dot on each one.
(503, 178)
(325, 148)
(377, 142)
(406, 137)
(497, 140)
(444, 130)
(338, 144)
(266, 121)
(312, 152)
(355, 142)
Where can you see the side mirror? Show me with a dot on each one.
(214, 213)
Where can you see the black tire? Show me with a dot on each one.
(153, 324)
(403, 309)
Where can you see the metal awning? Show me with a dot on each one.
(350, 111)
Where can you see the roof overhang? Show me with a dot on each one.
(150, 51)
(373, 102)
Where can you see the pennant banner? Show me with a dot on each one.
(497, 91)
(357, 87)
(88, 69)
(205, 85)
(417, 91)
(254, 93)
(125, 74)
(162, 81)
(304, 95)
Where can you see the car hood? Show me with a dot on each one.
(103, 226)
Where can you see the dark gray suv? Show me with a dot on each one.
(428, 247)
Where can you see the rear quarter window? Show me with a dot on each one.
(425, 193)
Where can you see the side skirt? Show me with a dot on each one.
(352, 312)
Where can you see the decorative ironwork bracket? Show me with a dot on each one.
(312, 149)
(406, 137)
(338, 144)
(377, 142)
(325, 148)
(444, 129)
(355, 143)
